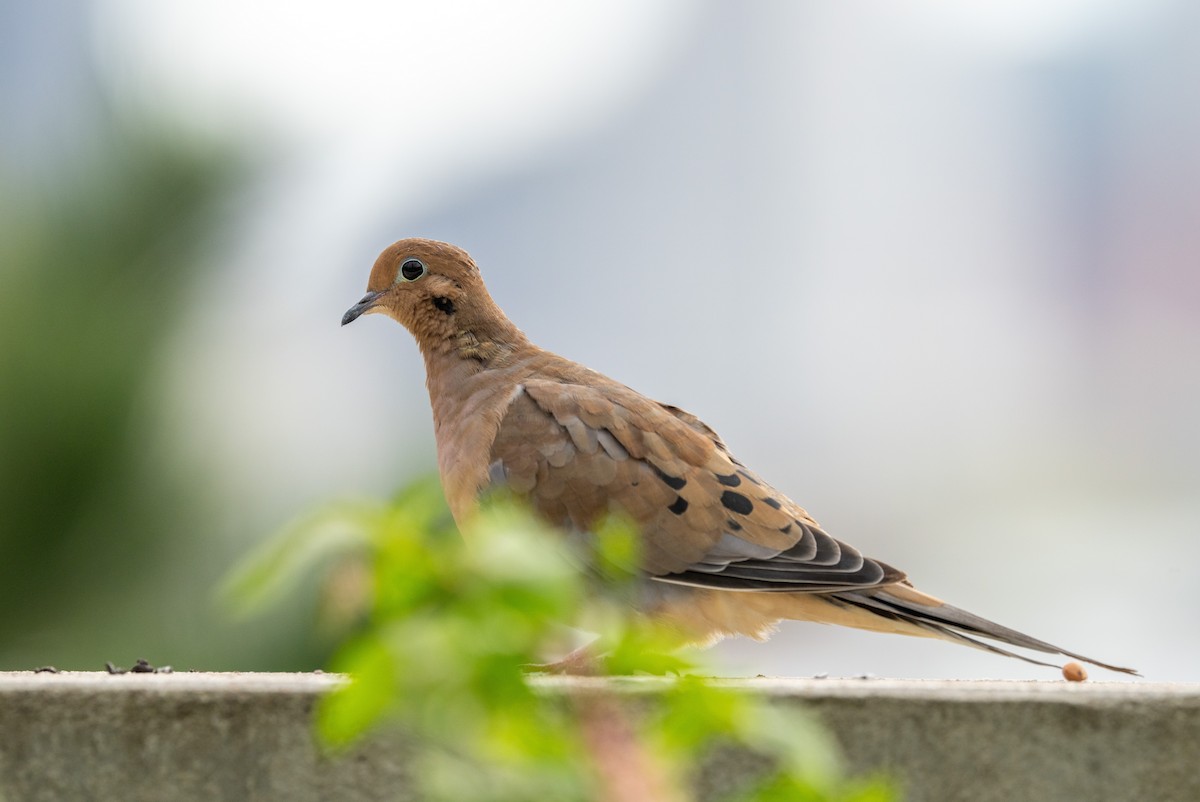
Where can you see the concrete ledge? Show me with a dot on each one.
(247, 737)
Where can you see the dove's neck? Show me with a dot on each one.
(456, 374)
(472, 379)
(471, 348)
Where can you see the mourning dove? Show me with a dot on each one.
(726, 553)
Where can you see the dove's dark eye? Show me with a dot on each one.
(411, 270)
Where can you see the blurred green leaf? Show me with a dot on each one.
(352, 709)
(273, 570)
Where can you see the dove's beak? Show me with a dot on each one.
(359, 308)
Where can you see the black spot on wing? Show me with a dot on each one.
(679, 506)
(771, 502)
(736, 502)
(673, 482)
(729, 480)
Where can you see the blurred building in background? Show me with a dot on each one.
(932, 271)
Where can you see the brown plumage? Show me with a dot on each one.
(728, 553)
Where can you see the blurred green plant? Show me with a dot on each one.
(97, 251)
(440, 633)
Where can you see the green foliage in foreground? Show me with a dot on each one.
(447, 629)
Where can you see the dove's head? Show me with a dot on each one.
(434, 290)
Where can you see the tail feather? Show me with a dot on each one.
(903, 603)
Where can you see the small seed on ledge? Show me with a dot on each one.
(1073, 672)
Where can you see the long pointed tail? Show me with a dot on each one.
(901, 602)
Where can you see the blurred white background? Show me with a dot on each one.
(930, 268)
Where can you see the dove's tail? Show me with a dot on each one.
(904, 604)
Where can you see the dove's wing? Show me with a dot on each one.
(579, 452)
